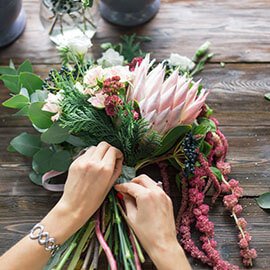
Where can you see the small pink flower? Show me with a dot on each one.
(135, 115)
(237, 209)
(111, 103)
(225, 188)
(233, 183)
(204, 209)
(52, 105)
(98, 100)
(224, 167)
(136, 61)
(93, 75)
(243, 243)
(238, 191)
(242, 223)
(230, 201)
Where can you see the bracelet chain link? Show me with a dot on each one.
(44, 239)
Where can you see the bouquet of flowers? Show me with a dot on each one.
(155, 114)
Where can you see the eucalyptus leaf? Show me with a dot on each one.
(170, 139)
(264, 200)
(42, 161)
(26, 144)
(24, 92)
(38, 117)
(11, 149)
(55, 134)
(35, 178)
(23, 111)
(39, 95)
(11, 82)
(16, 102)
(7, 70)
(61, 161)
(31, 81)
(26, 66)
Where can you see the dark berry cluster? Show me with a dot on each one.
(190, 150)
(50, 81)
(63, 6)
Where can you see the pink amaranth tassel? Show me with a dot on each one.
(165, 177)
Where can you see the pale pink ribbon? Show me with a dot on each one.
(52, 187)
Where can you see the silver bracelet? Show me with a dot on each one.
(44, 239)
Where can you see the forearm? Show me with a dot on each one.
(171, 257)
(29, 254)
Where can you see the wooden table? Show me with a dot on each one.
(240, 36)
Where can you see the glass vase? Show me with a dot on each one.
(68, 18)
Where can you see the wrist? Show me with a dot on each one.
(169, 256)
(61, 223)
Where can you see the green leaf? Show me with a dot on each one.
(23, 111)
(42, 161)
(264, 200)
(75, 141)
(24, 92)
(35, 178)
(7, 70)
(11, 149)
(207, 123)
(39, 118)
(61, 161)
(205, 148)
(11, 82)
(31, 81)
(26, 144)
(55, 134)
(171, 138)
(174, 163)
(267, 96)
(16, 102)
(217, 173)
(26, 66)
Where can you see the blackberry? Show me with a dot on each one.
(189, 145)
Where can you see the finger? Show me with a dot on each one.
(113, 159)
(100, 151)
(131, 208)
(85, 156)
(132, 189)
(145, 181)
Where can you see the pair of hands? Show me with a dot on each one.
(149, 209)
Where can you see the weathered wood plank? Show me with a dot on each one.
(248, 153)
(180, 26)
(236, 96)
(18, 214)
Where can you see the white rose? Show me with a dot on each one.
(182, 61)
(111, 58)
(77, 43)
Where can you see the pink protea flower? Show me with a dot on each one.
(165, 103)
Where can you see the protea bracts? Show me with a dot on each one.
(165, 103)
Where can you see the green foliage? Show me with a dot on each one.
(26, 66)
(38, 117)
(170, 139)
(217, 173)
(30, 81)
(35, 178)
(130, 46)
(55, 134)
(131, 136)
(8, 71)
(26, 144)
(16, 102)
(264, 200)
(87, 3)
(11, 82)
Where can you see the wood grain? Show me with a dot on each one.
(239, 31)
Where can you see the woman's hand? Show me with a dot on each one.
(90, 178)
(150, 214)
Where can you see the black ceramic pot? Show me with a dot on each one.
(12, 20)
(128, 12)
